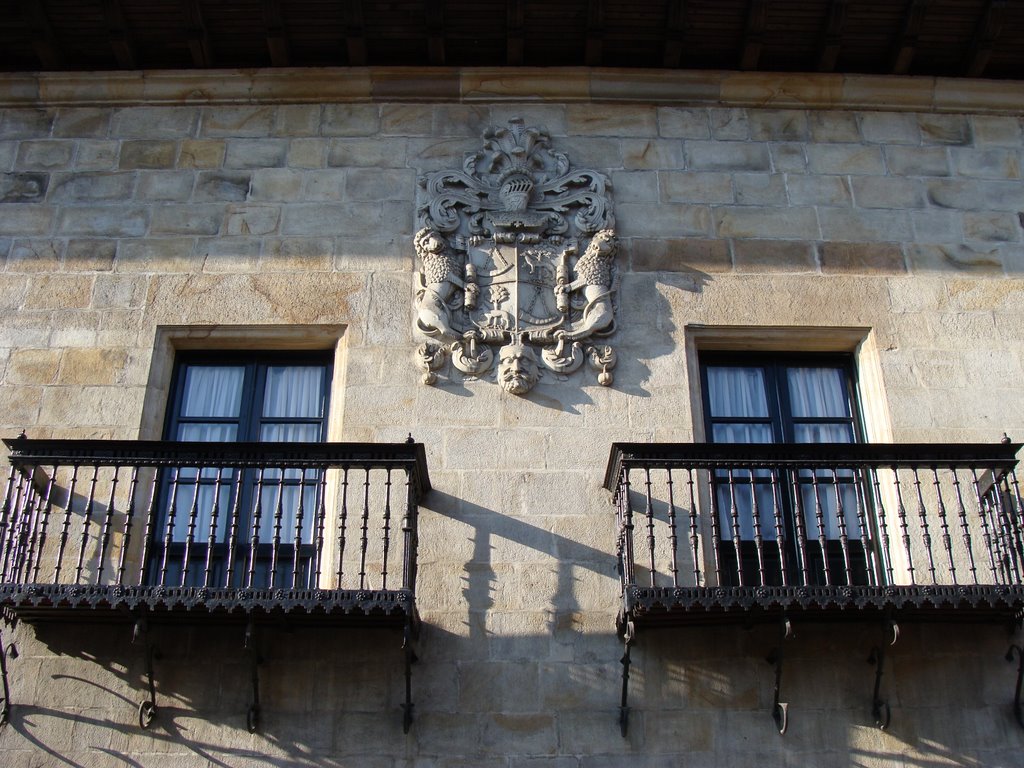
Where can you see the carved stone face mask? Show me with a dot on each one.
(517, 369)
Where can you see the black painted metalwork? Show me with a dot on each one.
(245, 532)
(628, 632)
(780, 709)
(1018, 711)
(252, 715)
(880, 709)
(9, 651)
(802, 532)
(147, 708)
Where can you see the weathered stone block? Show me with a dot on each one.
(350, 120)
(678, 123)
(787, 223)
(23, 187)
(156, 255)
(187, 220)
(819, 190)
(256, 153)
(858, 225)
(26, 219)
(59, 292)
(651, 154)
(636, 185)
(418, 119)
(155, 122)
(97, 155)
(369, 153)
(997, 131)
(727, 156)
(773, 256)
(91, 366)
(379, 184)
(228, 186)
(82, 122)
(295, 120)
(112, 221)
(883, 192)
(669, 219)
(90, 255)
(992, 227)
(917, 161)
(201, 153)
(944, 129)
(759, 189)
(954, 258)
(954, 193)
(81, 187)
(788, 157)
(936, 226)
(119, 291)
(780, 125)
(35, 256)
(307, 153)
(680, 255)
(987, 163)
(167, 186)
(275, 184)
(32, 366)
(26, 123)
(229, 254)
(147, 154)
(833, 126)
(862, 258)
(690, 187)
(43, 155)
(845, 158)
(611, 120)
(889, 128)
(250, 121)
(729, 124)
(252, 219)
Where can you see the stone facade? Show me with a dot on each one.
(888, 211)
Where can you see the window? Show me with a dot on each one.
(232, 397)
(785, 399)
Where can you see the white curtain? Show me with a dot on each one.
(294, 392)
(212, 391)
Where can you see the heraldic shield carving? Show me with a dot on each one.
(517, 253)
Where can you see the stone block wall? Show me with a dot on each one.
(905, 227)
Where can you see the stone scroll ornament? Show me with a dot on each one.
(517, 253)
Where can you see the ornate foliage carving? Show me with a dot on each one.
(517, 252)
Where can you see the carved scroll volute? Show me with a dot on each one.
(517, 257)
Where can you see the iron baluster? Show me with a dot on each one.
(9, 505)
(254, 538)
(126, 533)
(734, 520)
(12, 503)
(1005, 532)
(755, 514)
(947, 540)
(14, 545)
(364, 542)
(409, 534)
(342, 525)
(862, 523)
(275, 542)
(1013, 501)
(236, 514)
(819, 519)
(800, 521)
(627, 532)
(901, 512)
(986, 533)
(44, 524)
(649, 514)
(321, 517)
(694, 540)
(716, 532)
(65, 526)
(844, 533)
(86, 518)
(673, 540)
(780, 709)
(926, 536)
(386, 529)
(147, 533)
(172, 505)
(965, 528)
(780, 530)
(108, 521)
(297, 533)
(211, 532)
(883, 525)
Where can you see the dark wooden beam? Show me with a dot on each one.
(675, 32)
(595, 33)
(990, 25)
(355, 35)
(117, 33)
(753, 38)
(435, 32)
(514, 33)
(832, 36)
(195, 35)
(40, 33)
(277, 37)
(906, 46)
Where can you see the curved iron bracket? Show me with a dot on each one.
(411, 658)
(1018, 714)
(8, 651)
(147, 709)
(252, 716)
(628, 631)
(880, 708)
(780, 709)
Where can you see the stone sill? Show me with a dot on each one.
(525, 85)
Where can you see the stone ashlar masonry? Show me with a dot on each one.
(877, 214)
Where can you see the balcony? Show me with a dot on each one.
(740, 534)
(257, 533)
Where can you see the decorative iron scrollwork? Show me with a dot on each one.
(780, 709)
(880, 709)
(147, 709)
(9, 651)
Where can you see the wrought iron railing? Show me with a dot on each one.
(323, 528)
(715, 527)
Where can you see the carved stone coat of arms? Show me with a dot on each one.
(517, 257)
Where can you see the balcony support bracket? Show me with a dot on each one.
(140, 636)
(252, 716)
(880, 708)
(628, 631)
(8, 651)
(408, 638)
(1018, 712)
(780, 709)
